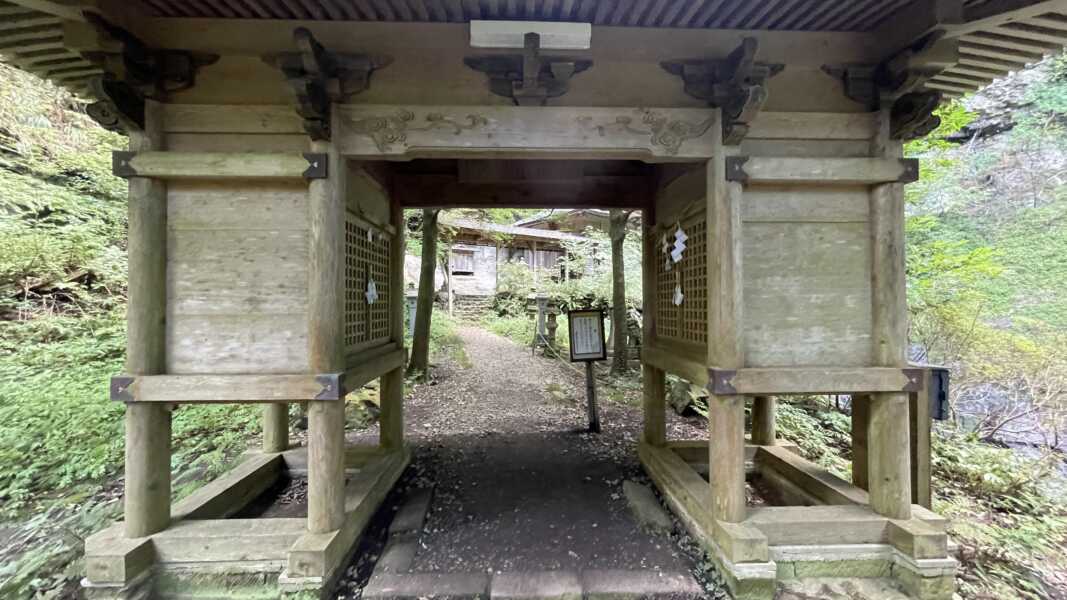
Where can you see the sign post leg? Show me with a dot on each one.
(590, 394)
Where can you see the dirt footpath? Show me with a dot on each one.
(518, 485)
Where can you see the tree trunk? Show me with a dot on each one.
(618, 291)
(420, 342)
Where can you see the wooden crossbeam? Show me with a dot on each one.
(854, 171)
(813, 380)
(216, 389)
(219, 165)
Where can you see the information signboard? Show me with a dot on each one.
(587, 335)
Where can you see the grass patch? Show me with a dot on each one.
(445, 342)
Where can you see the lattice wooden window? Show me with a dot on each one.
(689, 321)
(366, 259)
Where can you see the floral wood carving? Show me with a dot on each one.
(393, 129)
(663, 132)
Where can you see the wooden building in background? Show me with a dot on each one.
(274, 145)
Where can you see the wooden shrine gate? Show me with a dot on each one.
(274, 146)
(792, 283)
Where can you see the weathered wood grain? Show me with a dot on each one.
(148, 428)
(655, 134)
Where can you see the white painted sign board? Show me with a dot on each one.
(586, 335)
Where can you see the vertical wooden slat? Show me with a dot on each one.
(566, 10)
(473, 9)
(391, 419)
(685, 19)
(401, 8)
(652, 18)
(653, 380)
(789, 20)
(366, 9)
(258, 9)
(326, 352)
(148, 426)
(860, 419)
(674, 9)
(707, 14)
(921, 423)
(585, 11)
(333, 11)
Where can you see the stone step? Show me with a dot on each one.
(593, 584)
(840, 588)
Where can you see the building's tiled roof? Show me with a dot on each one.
(483, 226)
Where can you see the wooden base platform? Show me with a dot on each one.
(205, 550)
(831, 531)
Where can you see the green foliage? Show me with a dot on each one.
(62, 336)
(822, 432)
(444, 339)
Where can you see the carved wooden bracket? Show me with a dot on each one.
(736, 84)
(898, 83)
(134, 73)
(528, 78)
(320, 78)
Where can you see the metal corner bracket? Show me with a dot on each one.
(333, 386)
(120, 388)
(318, 166)
(721, 382)
(735, 169)
(121, 164)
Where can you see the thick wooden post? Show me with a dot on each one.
(326, 286)
(861, 406)
(391, 418)
(653, 380)
(921, 423)
(727, 466)
(764, 428)
(148, 426)
(727, 423)
(889, 471)
(275, 427)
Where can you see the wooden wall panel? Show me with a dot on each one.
(237, 265)
(806, 267)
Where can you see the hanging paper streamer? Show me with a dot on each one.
(679, 244)
(372, 292)
(678, 296)
(666, 253)
(370, 234)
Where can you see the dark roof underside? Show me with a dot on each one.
(32, 39)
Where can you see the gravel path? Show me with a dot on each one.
(519, 484)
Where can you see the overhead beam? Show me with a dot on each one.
(435, 191)
(801, 49)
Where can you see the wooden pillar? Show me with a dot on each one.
(727, 466)
(326, 287)
(860, 419)
(725, 350)
(653, 380)
(148, 426)
(921, 423)
(391, 418)
(889, 471)
(275, 427)
(764, 428)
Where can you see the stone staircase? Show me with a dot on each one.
(471, 307)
